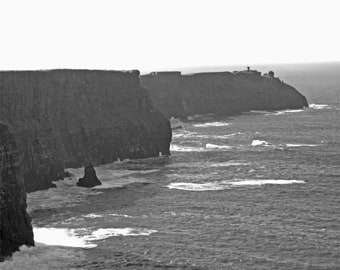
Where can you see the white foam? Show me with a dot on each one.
(259, 143)
(92, 216)
(301, 145)
(195, 186)
(183, 134)
(106, 233)
(82, 237)
(287, 111)
(258, 112)
(212, 124)
(179, 148)
(223, 185)
(215, 146)
(258, 182)
(61, 237)
(120, 215)
(217, 136)
(319, 106)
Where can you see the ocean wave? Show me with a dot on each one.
(217, 136)
(259, 143)
(120, 215)
(92, 215)
(319, 106)
(179, 148)
(223, 185)
(301, 145)
(258, 112)
(183, 134)
(208, 147)
(287, 111)
(215, 146)
(195, 186)
(83, 237)
(212, 124)
(258, 182)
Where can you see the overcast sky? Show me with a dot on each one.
(155, 34)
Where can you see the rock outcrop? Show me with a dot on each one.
(222, 93)
(15, 224)
(90, 178)
(68, 118)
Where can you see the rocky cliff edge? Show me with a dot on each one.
(222, 93)
(68, 118)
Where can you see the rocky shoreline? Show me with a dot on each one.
(220, 93)
(71, 118)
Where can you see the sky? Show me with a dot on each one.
(166, 34)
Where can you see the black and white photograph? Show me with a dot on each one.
(169, 134)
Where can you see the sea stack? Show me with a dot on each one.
(63, 118)
(220, 93)
(90, 178)
(15, 224)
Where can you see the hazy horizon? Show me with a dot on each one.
(154, 35)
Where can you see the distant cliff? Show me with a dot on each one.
(68, 118)
(15, 224)
(222, 93)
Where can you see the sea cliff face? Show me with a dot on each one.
(69, 118)
(15, 224)
(222, 93)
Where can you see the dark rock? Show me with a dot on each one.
(222, 93)
(90, 178)
(67, 118)
(15, 224)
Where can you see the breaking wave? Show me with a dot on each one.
(208, 147)
(259, 143)
(214, 146)
(223, 185)
(179, 148)
(83, 237)
(319, 106)
(212, 124)
(301, 145)
(287, 111)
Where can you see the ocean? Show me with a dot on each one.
(256, 191)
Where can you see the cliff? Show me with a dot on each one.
(15, 224)
(222, 93)
(69, 118)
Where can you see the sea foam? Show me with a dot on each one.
(179, 148)
(82, 237)
(301, 145)
(215, 146)
(319, 106)
(212, 124)
(287, 111)
(259, 143)
(223, 185)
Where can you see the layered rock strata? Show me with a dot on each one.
(15, 224)
(222, 93)
(68, 118)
